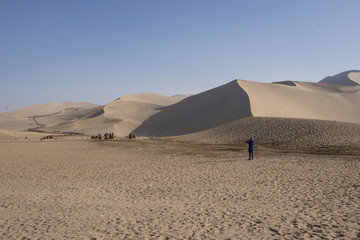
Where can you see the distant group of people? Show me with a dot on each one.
(131, 135)
(106, 136)
(47, 137)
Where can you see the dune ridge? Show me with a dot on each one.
(120, 116)
(347, 78)
(199, 112)
(305, 100)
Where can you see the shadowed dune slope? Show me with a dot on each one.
(120, 116)
(283, 133)
(348, 78)
(304, 100)
(199, 112)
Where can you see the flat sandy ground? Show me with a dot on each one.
(152, 189)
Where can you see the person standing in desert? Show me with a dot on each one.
(251, 148)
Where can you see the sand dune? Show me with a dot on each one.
(317, 136)
(240, 99)
(120, 116)
(49, 113)
(156, 115)
(348, 78)
(49, 108)
(305, 100)
(199, 112)
(66, 115)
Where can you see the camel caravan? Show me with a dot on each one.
(110, 136)
(47, 137)
(131, 135)
(107, 136)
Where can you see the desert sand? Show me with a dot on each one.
(197, 183)
(9, 135)
(284, 134)
(163, 189)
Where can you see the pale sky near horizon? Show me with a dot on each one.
(97, 51)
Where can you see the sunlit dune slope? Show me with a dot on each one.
(304, 100)
(283, 133)
(43, 114)
(120, 116)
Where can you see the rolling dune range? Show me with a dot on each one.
(198, 183)
(120, 116)
(335, 98)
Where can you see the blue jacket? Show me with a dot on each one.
(251, 145)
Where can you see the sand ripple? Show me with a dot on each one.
(166, 190)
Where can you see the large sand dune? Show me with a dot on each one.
(199, 112)
(120, 116)
(239, 99)
(304, 100)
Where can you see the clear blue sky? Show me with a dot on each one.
(97, 51)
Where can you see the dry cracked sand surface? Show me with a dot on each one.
(148, 189)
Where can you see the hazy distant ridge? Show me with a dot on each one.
(348, 78)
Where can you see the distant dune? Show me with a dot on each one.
(120, 116)
(49, 113)
(348, 78)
